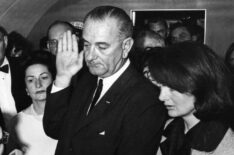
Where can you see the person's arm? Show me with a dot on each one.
(143, 126)
(68, 62)
(2, 141)
(56, 108)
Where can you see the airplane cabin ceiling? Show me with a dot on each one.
(21, 15)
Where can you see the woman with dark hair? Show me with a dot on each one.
(27, 135)
(194, 86)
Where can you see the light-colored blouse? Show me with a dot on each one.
(29, 131)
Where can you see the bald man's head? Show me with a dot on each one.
(55, 31)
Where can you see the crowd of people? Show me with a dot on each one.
(111, 89)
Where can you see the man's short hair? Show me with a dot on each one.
(102, 12)
(3, 31)
(158, 20)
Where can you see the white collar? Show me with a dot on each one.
(5, 62)
(111, 79)
(108, 81)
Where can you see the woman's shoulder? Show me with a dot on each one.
(227, 143)
(21, 114)
(225, 146)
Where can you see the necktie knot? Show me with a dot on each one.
(4, 69)
(97, 94)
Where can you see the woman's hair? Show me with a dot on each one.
(41, 57)
(194, 68)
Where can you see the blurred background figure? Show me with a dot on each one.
(180, 32)
(229, 57)
(194, 85)
(3, 134)
(13, 98)
(27, 134)
(43, 44)
(159, 26)
(144, 40)
(18, 48)
(143, 62)
(197, 33)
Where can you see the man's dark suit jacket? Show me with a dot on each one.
(22, 100)
(128, 120)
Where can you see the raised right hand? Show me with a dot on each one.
(68, 60)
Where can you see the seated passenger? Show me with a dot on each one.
(194, 86)
(27, 134)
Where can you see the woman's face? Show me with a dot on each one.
(177, 104)
(37, 79)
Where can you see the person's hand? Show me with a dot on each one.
(68, 60)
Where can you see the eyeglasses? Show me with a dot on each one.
(52, 43)
(4, 139)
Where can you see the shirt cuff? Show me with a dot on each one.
(55, 89)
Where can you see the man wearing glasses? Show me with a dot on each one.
(55, 31)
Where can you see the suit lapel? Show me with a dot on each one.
(107, 102)
(85, 98)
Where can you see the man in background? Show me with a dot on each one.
(55, 31)
(159, 25)
(13, 97)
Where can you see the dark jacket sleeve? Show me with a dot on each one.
(55, 111)
(143, 125)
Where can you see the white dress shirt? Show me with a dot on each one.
(7, 102)
(108, 81)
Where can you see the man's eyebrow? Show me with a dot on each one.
(97, 43)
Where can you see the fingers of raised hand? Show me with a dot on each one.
(75, 43)
(65, 42)
(68, 43)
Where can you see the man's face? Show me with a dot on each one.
(150, 42)
(159, 28)
(54, 34)
(103, 48)
(3, 44)
(180, 34)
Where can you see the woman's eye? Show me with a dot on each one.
(44, 77)
(29, 80)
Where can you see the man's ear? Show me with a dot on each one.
(48, 46)
(126, 46)
(5, 39)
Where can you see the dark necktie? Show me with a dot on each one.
(4, 68)
(97, 94)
